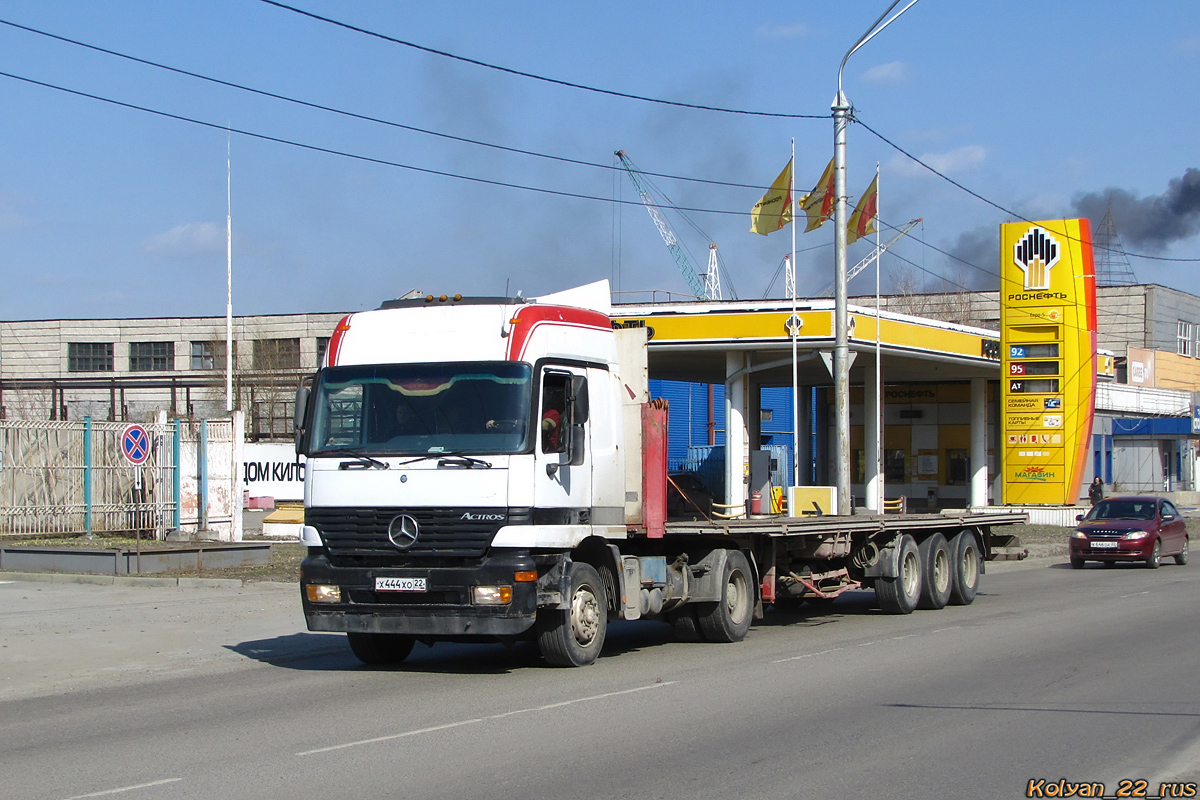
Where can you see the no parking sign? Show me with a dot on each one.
(135, 446)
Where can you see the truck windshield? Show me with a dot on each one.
(423, 409)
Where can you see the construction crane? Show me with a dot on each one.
(710, 287)
(876, 253)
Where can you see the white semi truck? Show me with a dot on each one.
(495, 469)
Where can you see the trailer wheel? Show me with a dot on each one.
(964, 568)
(685, 624)
(380, 648)
(728, 620)
(936, 572)
(573, 637)
(899, 595)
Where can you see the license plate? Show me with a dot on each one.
(400, 585)
(1104, 545)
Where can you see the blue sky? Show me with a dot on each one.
(1039, 107)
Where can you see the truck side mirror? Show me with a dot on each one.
(302, 392)
(578, 398)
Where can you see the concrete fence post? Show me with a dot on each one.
(202, 463)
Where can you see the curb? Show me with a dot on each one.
(124, 580)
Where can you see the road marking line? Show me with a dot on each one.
(1135, 594)
(501, 715)
(126, 788)
(951, 628)
(905, 636)
(807, 655)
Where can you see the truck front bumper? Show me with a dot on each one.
(444, 610)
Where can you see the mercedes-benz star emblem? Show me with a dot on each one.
(402, 531)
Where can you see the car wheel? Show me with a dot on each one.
(1077, 562)
(1182, 556)
(1155, 556)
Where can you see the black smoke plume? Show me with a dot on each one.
(1149, 222)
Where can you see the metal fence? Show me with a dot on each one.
(71, 477)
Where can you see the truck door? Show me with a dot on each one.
(563, 471)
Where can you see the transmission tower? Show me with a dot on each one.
(1112, 265)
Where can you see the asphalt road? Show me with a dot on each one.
(1052, 674)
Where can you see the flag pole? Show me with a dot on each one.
(228, 274)
(793, 326)
(879, 422)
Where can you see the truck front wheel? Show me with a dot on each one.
(728, 620)
(573, 636)
(899, 595)
(380, 648)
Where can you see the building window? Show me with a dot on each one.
(322, 346)
(151, 356)
(894, 466)
(957, 466)
(271, 417)
(1183, 338)
(272, 355)
(89, 357)
(210, 355)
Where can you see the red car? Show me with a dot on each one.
(1130, 529)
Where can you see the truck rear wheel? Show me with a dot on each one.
(964, 568)
(899, 595)
(935, 572)
(380, 648)
(685, 624)
(728, 620)
(574, 636)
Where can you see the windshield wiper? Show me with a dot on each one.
(362, 460)
(463, 462)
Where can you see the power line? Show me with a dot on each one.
(991, 203)
(345, 154)
(354, 115)
(532, 76)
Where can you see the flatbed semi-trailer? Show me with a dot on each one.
(495, 469)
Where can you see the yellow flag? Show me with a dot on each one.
(862, 221)
(774, 210)
(818, 204)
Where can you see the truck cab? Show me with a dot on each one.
(459, 450)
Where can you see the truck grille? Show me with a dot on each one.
(359, 536)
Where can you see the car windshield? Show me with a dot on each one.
(422, 409)
(1123, 509)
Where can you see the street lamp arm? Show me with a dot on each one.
(870, 34)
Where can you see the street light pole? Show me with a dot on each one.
(841, 349)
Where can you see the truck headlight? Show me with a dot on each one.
(320, 593)
(492, 595)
